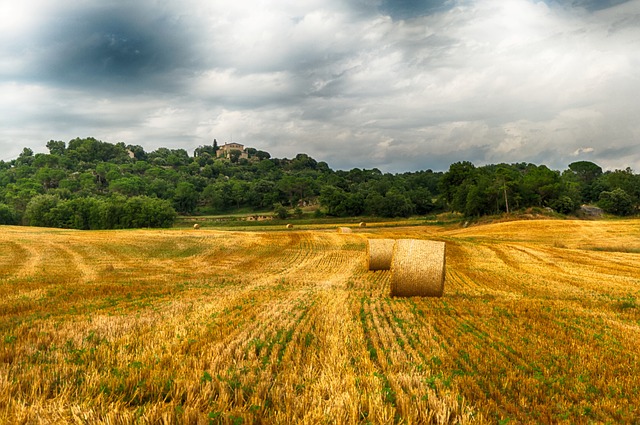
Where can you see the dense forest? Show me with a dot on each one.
(90, 184)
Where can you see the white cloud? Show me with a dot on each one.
(580, 151)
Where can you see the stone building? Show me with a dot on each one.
(225, 150)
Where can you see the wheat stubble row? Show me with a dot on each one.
(281, 327)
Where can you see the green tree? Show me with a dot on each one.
(625, 180)
(56, 147)
(374, 204)
(266, 192)
(79, 213)
(141, 211)
(39, 211)
(138, 152)
(20, 193)
(261, 155)
(238, 191)
(185, 198)
(296, 188)
(90, 150)
(340, 203)
(507, 179)
(50, 177)
(25, 157)
(617, 202)
(303, 161)
(280, 211)
(565, 205)
(8, 215)
(178, 157)
(395, 204)
(422, 200)
(587, 174)
(481, 195)
(455, 184)
(234, 155)
(213, 198)
(540, 186)
(333, 199)
(129, 186)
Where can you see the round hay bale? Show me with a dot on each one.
(379, 253)
(344, 230)
(289, 226)
(362, 224)
(196, 226)
(418, 268)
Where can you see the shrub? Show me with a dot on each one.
(7, 215)
(565, 205)
(280, 211)
(616, 202)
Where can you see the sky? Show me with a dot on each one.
(398, 85)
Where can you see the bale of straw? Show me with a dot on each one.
(196, 226)
(379, 253)
(362, 224)
(289, 226)
(418, 268)
(344, 230)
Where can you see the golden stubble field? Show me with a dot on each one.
(539, 323)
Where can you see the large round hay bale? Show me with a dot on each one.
(289, 226)
(379, 253)
(418, 268)
(344, 230)
(362, 224)
(196, 226)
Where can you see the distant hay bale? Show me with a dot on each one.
(362, 224)
(289, 226)
(379, 253)
(344, 230)
(196, 226)
(418, 268)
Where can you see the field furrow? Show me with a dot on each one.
(14, 255)
(539, 323)
(409, 386)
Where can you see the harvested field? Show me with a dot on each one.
(539, 323)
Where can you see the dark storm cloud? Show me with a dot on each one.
(407, 9)
(592, 5)
(613, 152)
(425, 160)
(129, 44)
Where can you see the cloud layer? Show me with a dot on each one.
(401, 85)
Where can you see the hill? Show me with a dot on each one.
(90, 184)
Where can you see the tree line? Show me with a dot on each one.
(90, 184)
(491, 189)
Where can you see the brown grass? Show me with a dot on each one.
(418, 268)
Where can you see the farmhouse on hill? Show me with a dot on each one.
(225, 150)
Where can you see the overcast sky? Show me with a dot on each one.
(401, 85)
